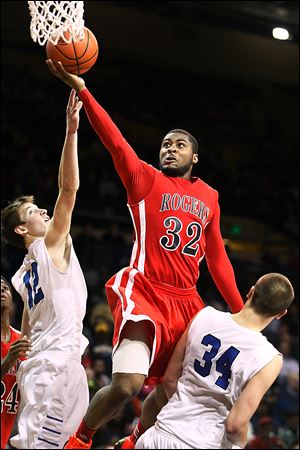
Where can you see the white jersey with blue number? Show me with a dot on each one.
(220, 358)
(55, 300)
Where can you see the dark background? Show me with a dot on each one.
(212, 68)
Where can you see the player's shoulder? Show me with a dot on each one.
(207, 192)
(208, 312)
(15, 334)
(208, 187)
(35, 248)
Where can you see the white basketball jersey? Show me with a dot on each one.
(220, 358)
(55, 301)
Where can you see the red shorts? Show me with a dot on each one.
(131, 296)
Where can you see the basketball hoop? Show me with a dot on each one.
(50, 20)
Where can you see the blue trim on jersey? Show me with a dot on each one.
(54, 418)
(52, 431)
(48, 442)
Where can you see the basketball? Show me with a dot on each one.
(77, 57)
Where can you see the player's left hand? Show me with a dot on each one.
(17, 350)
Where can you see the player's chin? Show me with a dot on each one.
(171, 171)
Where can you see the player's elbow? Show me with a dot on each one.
(231, 428)
(235, 425)
(70, 189)
(236, 431)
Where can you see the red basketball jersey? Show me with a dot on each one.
(169, 228)
(9, 392)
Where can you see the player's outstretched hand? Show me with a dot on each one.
(71, 80)
(73, 108)
(18, 349)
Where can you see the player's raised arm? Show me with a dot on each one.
(68, 181)
(128, 165)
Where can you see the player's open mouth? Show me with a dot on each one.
(170, 160)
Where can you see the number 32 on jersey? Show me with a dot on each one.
(172, 240)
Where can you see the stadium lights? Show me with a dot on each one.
(280, 33)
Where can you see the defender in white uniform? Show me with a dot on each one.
(222, 367)
(52, 381)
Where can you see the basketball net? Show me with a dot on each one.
(50, 20)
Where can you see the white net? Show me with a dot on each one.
(49, 21)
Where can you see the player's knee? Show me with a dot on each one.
(126, 386)
(131, 358)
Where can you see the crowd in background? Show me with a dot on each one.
(245, 152)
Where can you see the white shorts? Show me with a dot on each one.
(54, 398)
(153, 438)
(156, 438)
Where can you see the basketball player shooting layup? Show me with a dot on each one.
(176, 219)
(219, 371)
(52, 381)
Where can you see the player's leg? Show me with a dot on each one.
(54, 399)
(151, 407)
(130, 367)
(107, 402)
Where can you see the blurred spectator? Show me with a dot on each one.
(113, 237)
(107, 188)
(266, 436)
(290, 432)
(100, 371)
(290, 364)
(84, 245)
(287, 397)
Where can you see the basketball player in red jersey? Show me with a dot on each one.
(176, 220)
(13, 349)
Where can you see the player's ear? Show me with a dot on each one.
(195, 158)
(250, 293)
(20, 229)
(283, 313)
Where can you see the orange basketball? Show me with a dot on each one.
(77, 57)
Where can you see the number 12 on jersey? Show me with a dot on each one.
(35, 293)
(223, 363)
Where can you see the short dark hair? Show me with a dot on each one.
(10, 218)
(6, 282)
(273, 293)
(191, 138)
